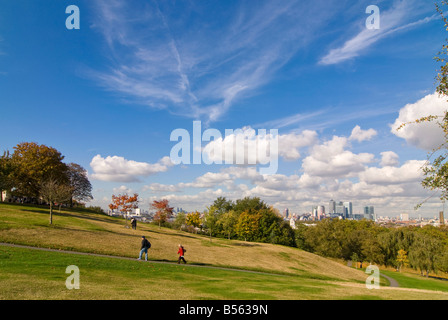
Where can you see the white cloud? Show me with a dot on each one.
(122, 190)
(208, 180)
(160, 188)
(290, 144)
(119, 169)
(361, 135)
(330, 159)
(389, 158)
(424, 135)
(259, 147)
(409, 172)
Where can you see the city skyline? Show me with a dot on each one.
(109, 94)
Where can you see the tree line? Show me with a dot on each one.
(422, 248)
(248, 219)
(36, 173)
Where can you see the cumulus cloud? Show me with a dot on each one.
(248, 146)
(424, 135)
(361, 135)
(159, 188)
(290, 144)
(119, 169)
(331, 159)
(409, 172)
(389, 158)
(122, 190)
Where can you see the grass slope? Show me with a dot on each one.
(36, 274)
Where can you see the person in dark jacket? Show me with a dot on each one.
(134, 223)
(181, 253)
(144, 248)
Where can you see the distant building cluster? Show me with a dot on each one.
(335, 210)
(344, 210)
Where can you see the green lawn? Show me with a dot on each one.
(37, 274)
(408, 280)
(292, 274)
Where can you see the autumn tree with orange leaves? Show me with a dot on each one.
(163, 211)
(124, 203)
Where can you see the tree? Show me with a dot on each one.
(247, 225)
(124, 203)
(222, 205)
(53, 190)
(425, 252)
(6, 169)
(33, 165)
(249, 204)
(180, 220)
(436, 168)
(402, 259)
(228, 221)
(355, 259)
(194, 219)
(211, 220)
(442, 76)
(163, 211)
(78, 180)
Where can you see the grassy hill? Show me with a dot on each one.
(282, 272)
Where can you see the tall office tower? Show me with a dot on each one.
(369, 212)
(349, 209)
(320, 212)
(314, 213)
(286, 213)
(441, 218)
(340, 209)
(332, 207)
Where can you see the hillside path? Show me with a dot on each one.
(135, 259)
(393, 282)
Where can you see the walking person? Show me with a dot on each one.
(144, 248)
(181, 253)
(134, 223)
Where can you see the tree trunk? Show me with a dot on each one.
(51, 212)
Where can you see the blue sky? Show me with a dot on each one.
(109, 95)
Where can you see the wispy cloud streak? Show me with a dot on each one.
(200, 62)
(393, 21)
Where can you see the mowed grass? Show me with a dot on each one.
(95, 233)
(39, 275)
(410, 280)
(36, 274)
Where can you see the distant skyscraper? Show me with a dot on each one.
(286, 213)
(332, 207)
(320, 212)
(340, 209)
(369, 212)
(314, 213)
(348, 209)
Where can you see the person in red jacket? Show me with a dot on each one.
(181, 253)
